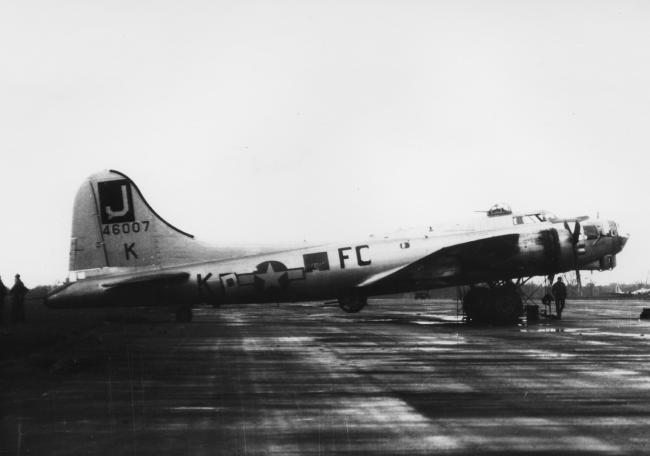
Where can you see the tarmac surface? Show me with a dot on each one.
(401, 377)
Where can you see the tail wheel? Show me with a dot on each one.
(352, 304)
(184, 314)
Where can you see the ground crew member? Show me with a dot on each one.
(559, 293)
(18, 292)
(3, 293)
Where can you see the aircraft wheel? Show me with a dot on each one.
(507, 306)
(184, 314)
(478, 304)
(352, 304)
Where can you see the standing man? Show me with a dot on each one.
(559, 293)
(3, 293)
(18, 291)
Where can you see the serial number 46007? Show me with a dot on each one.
(126, 228)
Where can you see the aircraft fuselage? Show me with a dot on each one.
(334, 270)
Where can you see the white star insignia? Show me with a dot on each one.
(271, 277)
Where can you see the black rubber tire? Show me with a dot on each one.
(352, 304)
(477, 305)
(499, 306)
(507, 307)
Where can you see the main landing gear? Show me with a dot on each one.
(352, 303)
(499, 304)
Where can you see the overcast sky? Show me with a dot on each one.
(280, 121)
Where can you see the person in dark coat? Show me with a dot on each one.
(18, 292)
(3, 293)
(559, 293)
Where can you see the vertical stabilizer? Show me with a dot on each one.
(114, 226)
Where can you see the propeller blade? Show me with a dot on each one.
(575, 236)
(575, 232)
(579, 281)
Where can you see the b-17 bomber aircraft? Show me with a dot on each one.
(123, 253)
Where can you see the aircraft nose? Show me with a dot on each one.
(622, 240)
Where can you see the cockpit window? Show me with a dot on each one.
(613, 229)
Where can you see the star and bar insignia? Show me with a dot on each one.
(271, 275)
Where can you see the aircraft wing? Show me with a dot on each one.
(447, 266)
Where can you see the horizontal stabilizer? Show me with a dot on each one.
(150, 279)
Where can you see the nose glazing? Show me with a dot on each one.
(621, 239)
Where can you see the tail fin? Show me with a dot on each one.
(114, 226)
